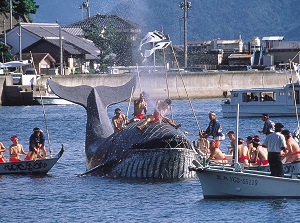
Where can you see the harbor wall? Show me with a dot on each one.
(195, 85)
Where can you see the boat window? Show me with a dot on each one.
(235, 95)
(250, 96)
(281, 93)
(268, 96)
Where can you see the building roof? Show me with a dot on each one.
(239, 56)
(103, 21)
(71, 43)
(273, 38)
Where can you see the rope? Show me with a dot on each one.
(167, 83)
(43, 107)
(190, 102)
(294, 94)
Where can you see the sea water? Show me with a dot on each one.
(63, 196)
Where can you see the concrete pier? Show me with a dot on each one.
(176, 86)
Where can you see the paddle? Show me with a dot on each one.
(97, 167)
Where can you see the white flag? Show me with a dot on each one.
(158, 46)
(297, 69)
(16, 63)
(152, 37)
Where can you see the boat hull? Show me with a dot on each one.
(51, 101)
(288, 168)
(40, 166)
(219, 183)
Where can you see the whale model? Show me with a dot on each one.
(158, 152)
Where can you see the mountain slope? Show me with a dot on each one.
(207, 19)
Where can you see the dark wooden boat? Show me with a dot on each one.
(39, 166)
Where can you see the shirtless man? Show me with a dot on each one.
(261, 152)
(119, 120)
(140, 108)
(160, 111)
(242, 152)
(215, 153)
(292, 153)
(15, 150)
(231, 136)
(2, 150)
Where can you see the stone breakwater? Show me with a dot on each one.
(196, 85)
(176, 86)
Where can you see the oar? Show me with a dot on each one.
(97, 167)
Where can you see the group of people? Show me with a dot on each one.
(140, 110)
(278, 147)
(36, 148)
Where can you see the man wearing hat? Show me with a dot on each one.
(275, 142)
(36, 145)
(214, 129)
(139, 108)
(15, 150)
(268, 126)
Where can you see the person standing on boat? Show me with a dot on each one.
(268, 126)
(214, 129)
(260, 156)
(119, 120)
(231, 136)
(140, 108)
(36, 145)
(15, 150)
(275, 142)
(292, 153)
(243, 153)
(2, 150)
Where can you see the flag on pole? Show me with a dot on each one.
(158, 46)
(19, 63)
(152, 37)
(297, 69)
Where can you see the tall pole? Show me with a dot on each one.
(20, 41)
(61, 64)
(185, 32)
(185, 6)
(4, 29)
(10, 11)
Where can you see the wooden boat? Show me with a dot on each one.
(51, 99)
(255, 101)
(229, 182)
(40, 166)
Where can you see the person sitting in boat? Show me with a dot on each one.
(269, 125)
(216, 154)
(2, 150)
(139, 108)
(36, 145)
(260, 155)
(15, 150)
(243, 152)
(119, 120)
(161, 109)
(214, 129)
(292, 152)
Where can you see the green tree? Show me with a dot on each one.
(115, 46)
(5, 54)
(21, 7)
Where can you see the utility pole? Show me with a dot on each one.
(185, 6)
(10, 11)
(87, 6)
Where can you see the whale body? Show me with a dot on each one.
(158, 152)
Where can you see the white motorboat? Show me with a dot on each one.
(229, 182)
(51, 99)
(253, 102)
(237, 182)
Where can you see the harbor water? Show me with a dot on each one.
(63, 196)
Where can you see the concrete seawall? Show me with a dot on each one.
(197, 85)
